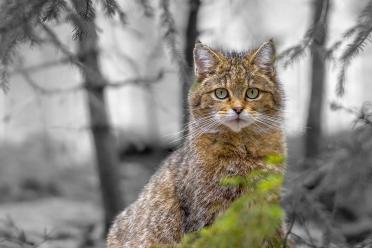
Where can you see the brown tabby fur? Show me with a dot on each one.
(186, 194)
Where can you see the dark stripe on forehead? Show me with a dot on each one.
(213, 82)
(235, 54)
(238, 89)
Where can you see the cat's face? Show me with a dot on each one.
(235, 90)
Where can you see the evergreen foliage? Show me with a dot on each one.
(350, 45)
(314, 33)
(253, 220)
(28, 22)
(360, 34)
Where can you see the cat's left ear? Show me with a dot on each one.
(264, 57)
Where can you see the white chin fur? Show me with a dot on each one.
(237, 125)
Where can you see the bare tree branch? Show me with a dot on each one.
(137, 81)
(57, 91)
(41, 66)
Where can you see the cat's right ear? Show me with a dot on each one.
(264, 57)
(205, 60)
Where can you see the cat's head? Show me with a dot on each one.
(237, 90)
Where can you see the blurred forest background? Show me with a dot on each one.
(94, 98)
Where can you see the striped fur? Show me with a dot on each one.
(185, 194)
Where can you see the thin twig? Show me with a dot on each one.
(305, 241)
(289, 231)
(44, 91)
(41, 66)
(57, 91)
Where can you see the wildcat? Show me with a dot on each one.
(235, 122)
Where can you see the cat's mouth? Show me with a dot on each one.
(237, 124)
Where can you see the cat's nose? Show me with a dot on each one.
(238, 110)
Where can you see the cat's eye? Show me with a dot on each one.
(252, 93)
(221, 93)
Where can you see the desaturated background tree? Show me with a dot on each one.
(92, 40)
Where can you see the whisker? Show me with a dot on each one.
(267, 122)
(200, 126)
(204, 128)
(259, 129)
(200, 121)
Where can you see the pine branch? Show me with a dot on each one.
(79, 26)
(23, 21)
(53, 11)
(17, 25)
(357, 45)
(110, 7)
(317, 31)
(86, 11)
(15, 22)
(340, 87)
(362, 35)
(338, 44)
(353, 50)
(80, 17)
(292, 54)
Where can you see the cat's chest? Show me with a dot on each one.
(207, 195)
(237, 168)
(230, 167)
(209, 183)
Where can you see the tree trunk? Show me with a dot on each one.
(314, 120)
(105, 147)
(191, 36)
